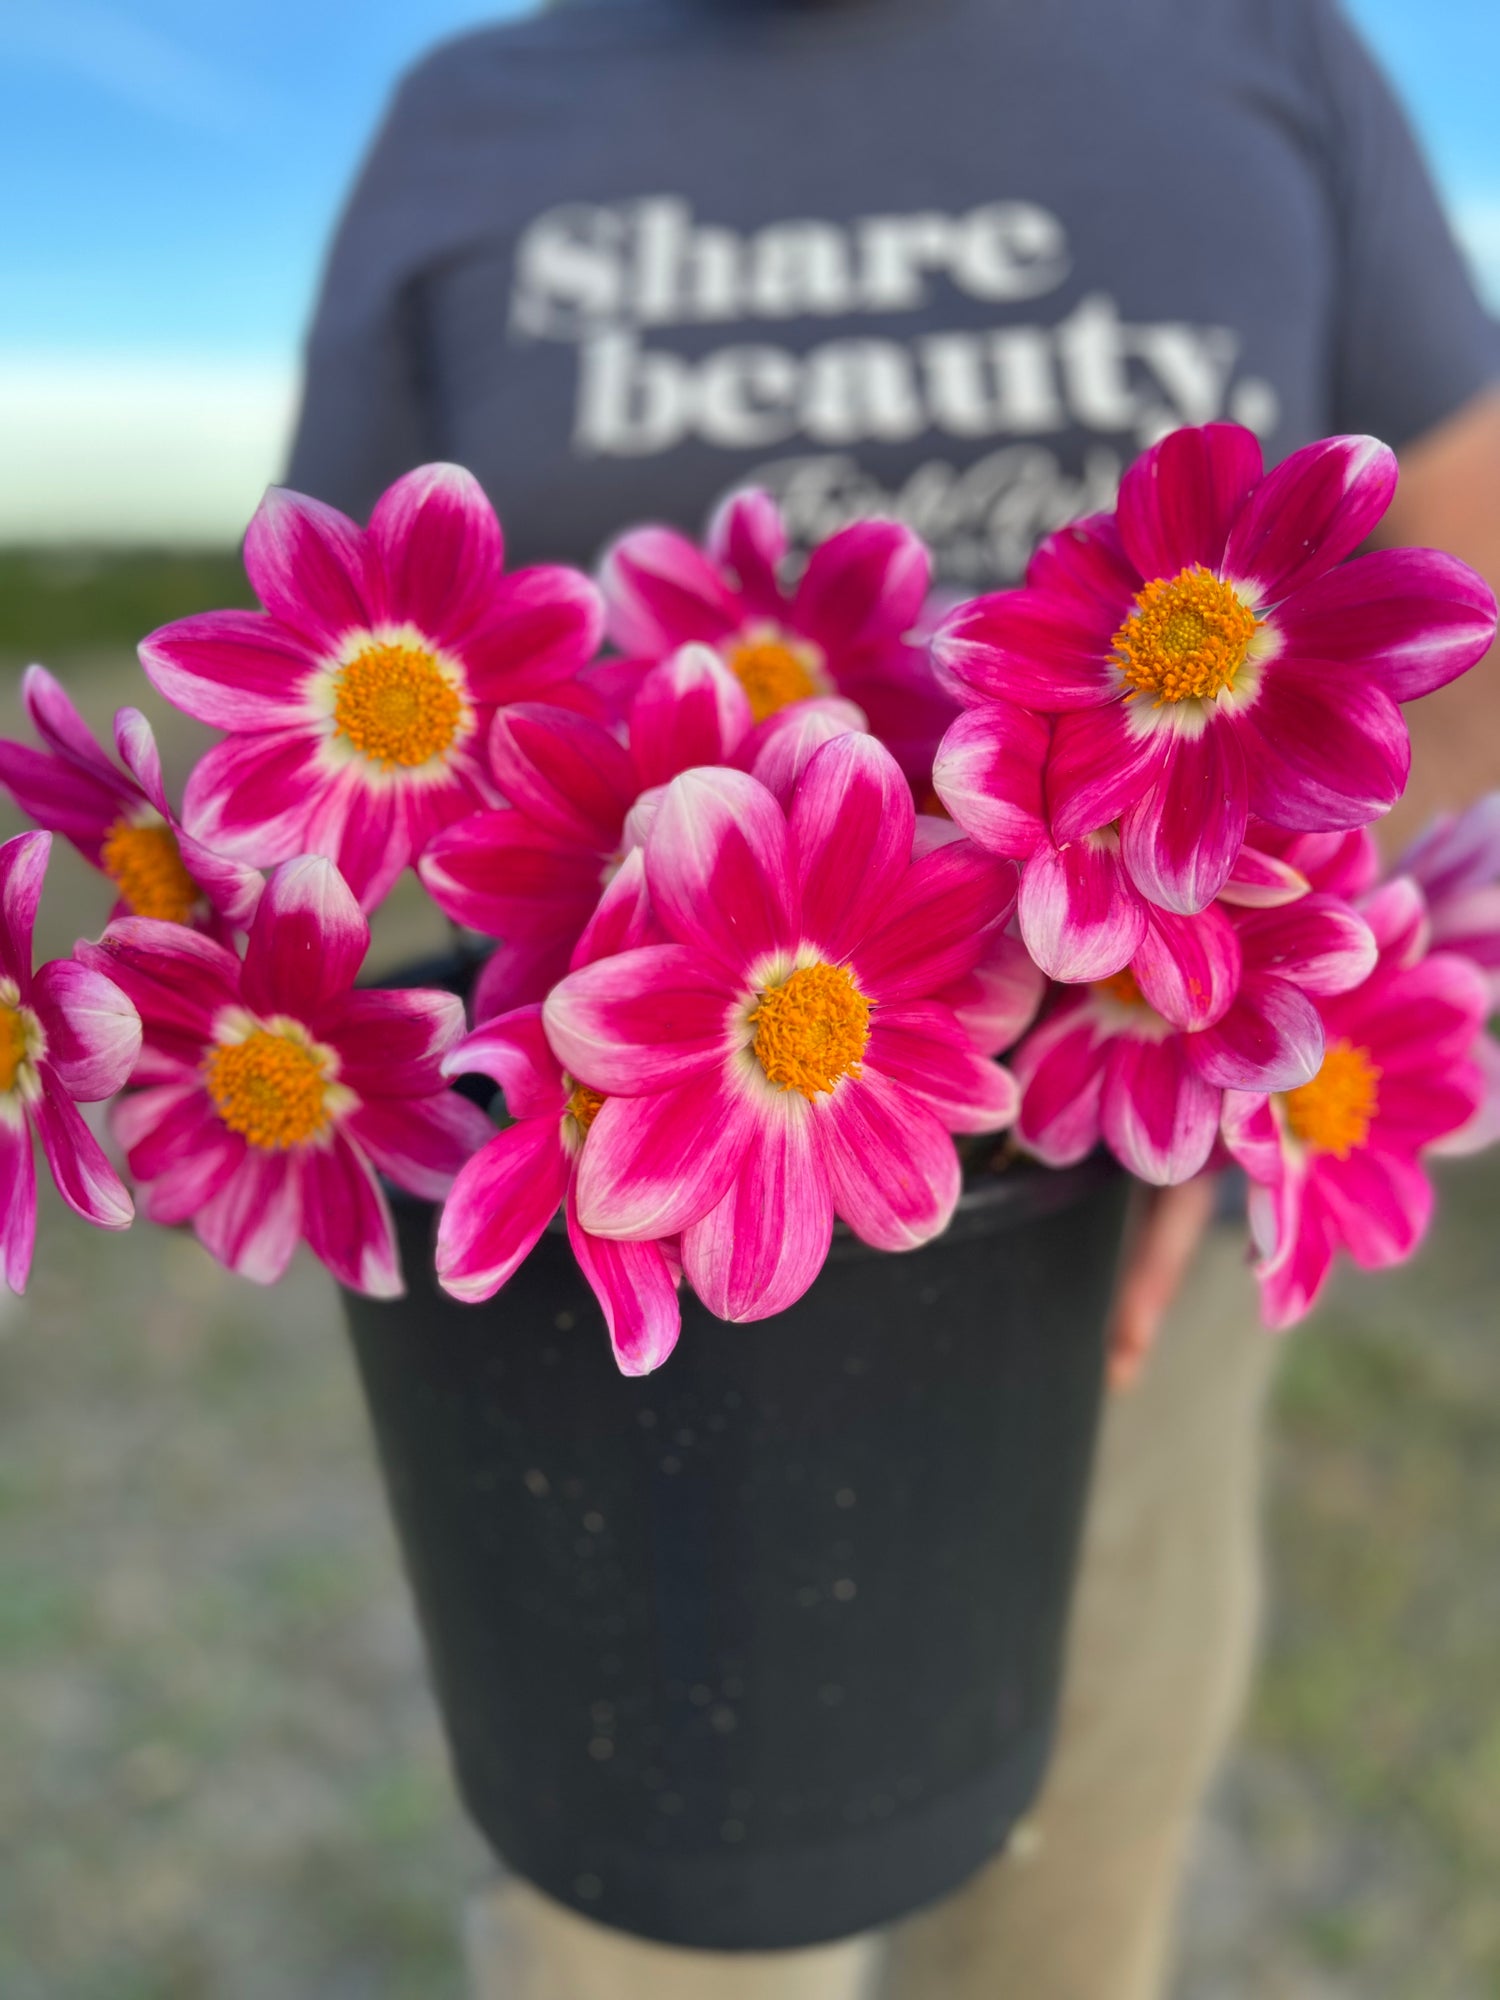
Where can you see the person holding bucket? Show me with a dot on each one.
(956, 264)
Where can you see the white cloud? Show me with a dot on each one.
(158, 451)
(1477, 221)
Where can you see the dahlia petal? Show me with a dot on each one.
(363, 830)
(1158, 1116)
(718, 866)
(1293, 1276)
(1059, 1069)
(168, 1126)
(567, 774)
(1031, 648)
(1457, 851)
(1397, 917)
(1311, 511)
(1380, 1203)
(233, 888)
(645, 1020)
(1261, 881)
(23, 867)
(1180, 840)
(306, 563)
(179, 980)
(181, 1192)
(780, 749)
(436, 550)
(661, 592)
(851, 821)
(541, 627)
(988, 773)
(1323, 752)
(922, 1046)
(53, 716)
(1319, 943)
(1480, 1128)
(1413, 619)
(1087, 560)
(1342, 863)
(870, 580)
(251, 797)
(236, 670)
(307, 943)
(1079, 912)
(1252, 1136)
(93, 1031)
(998, 1000)
(392, 1042)
(513, 1051)
(254, 1223)
(637, 1294)
(653, 1165)
(63, 798)
(501, 1202)
(518, 975)
(419, 1143)
(1444, 1113)
(623, 920)
(747, 540)
(347, 1219)
(937, 924)
(1180, 499)
(17, 1202)
(893, 1169)
(495, 872)
(1270, 1039)
(756, 1252)
(1102, 761)
(1468, 922)
(1417, 1018)
(1189, 967)
(85, 1179)
(690, 710)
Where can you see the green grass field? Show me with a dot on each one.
(222, 1778)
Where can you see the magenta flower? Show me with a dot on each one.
(358, 702)
(68, 1036)
(1220, 1000)
(271, 1092)
(784, 1058)
(121, 821)
(530, 873)
(1456, 862)
(1208, 653)
(847, 628)
(1337, 1163)
(509, 1192)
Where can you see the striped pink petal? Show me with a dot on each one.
(307, 943)
(566, 773)
(237, 670)
(689, 710)
(1180, 840)
(653, 1165)
(1314, 509)
(1080, 915)
(718, 866)
(1179, 500)
(759, 1248)
(851, 823)
(637, 1294)
(17, 1202)
(254, 1222)
(500, 1204)
(93, 1031)
(893, 1169)
(988, 773)
(306, 563)
(1414, 619)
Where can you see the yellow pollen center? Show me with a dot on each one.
(583, 1106)
(812, 1029)
(1332, 1114)
(397, 706)
(12, 1045)
(774, 673)
(270, 1087)
(145, 864)
(1122, 986)
(1187, 638)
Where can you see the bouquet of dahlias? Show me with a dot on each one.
(767, 890)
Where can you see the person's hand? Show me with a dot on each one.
(1156, 1262)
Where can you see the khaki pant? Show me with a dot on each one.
(1080, 1907)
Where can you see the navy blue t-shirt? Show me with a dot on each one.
(956, 261)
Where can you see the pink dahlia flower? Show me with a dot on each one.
(1338, 1162)
(510, 1191)
(848, 627)
(1457, 864)
(68, 1036)
(271, 1092)
(1141, 1060)
(1208, 653)
(784, 1057)
(358, 702)
(121, 821)
(530, 872)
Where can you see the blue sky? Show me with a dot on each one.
(173, 167)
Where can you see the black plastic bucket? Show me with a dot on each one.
(763, 1649)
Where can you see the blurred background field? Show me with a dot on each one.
(220, 1773)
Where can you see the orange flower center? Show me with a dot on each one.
(583, 1107)
(1187, 639)
(14, 1045)
(774, 672)
(1122, 986)
(812, 1029)
(1332, 1114)
(397, 705)
(145, 865)
(272, 1087)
